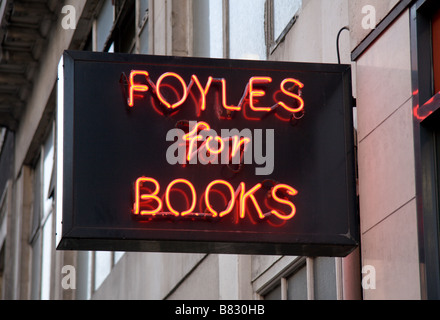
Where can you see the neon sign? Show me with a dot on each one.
(176, 154)
(190, 140)
(251, 93)
(148, 198)
(202, 132)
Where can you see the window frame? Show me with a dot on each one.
(124, 12)
(4, 212)
(273, 42)
(42, 218)
(122, 15)
(279, 272)
(426, 114)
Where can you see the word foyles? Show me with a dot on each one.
(252, 92)
(149, 203)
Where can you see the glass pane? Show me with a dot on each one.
(143, 10)
(104, 24)
(246, 30)
(284, 11)
(46, 258)
(36, 267)
(297, 285)
(117, 256)
(201, 28)
(208, 28)
(143, 25)
(216, 28)
(143, 40)
(103, 264)
(84, 275)
(274, 294)
(126, 40)
(36, 209)
(48, 163)
(325, 278)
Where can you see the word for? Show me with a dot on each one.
(252, 91)
(149, 203)
(202, 145)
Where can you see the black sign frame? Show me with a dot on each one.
(86, 197)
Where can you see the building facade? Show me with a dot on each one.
(392, 46)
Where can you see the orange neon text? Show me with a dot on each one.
(213, 144)
(140, 83)
(147, 201)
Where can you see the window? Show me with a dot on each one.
(104, 24)
(208, 28)
(142, 27)
(42, 235)
(201, 27)
(103, 263)
(3, 229)
(120, 26)
(284, 14)
(124, 32)
(246, 29)
(299, 278)
(291, 287)
(281, 15)
(2, 269)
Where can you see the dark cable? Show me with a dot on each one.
(337, 42)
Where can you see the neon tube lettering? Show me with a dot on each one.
(220, 149)
(257, 93)
(289, 191)
(237, 142)
(293, 95)
(135, 86)
(193, 193)
(203, 91)
(240, 195)
(250, 91)
(153, 196)
(193, 137)
(224, 103)
(250, 194)
(162, 99)
(231, 202)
